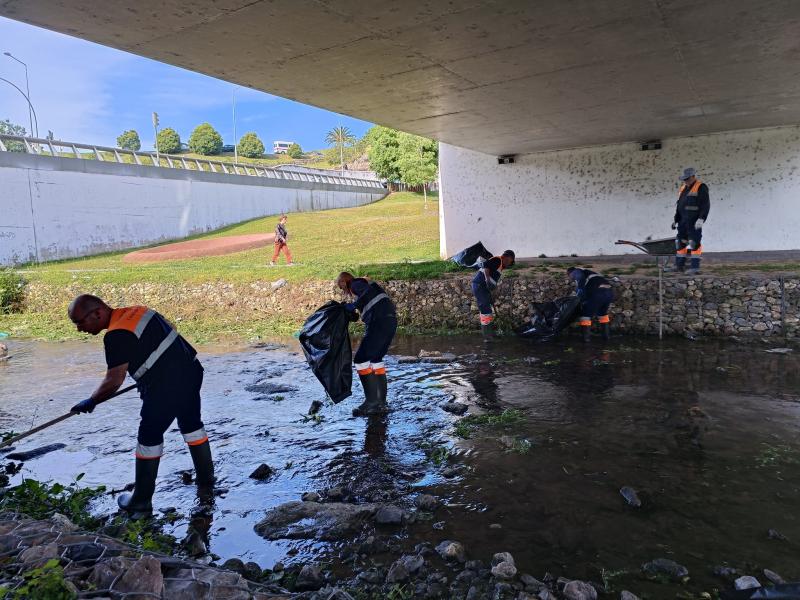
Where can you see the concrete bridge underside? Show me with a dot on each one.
(570, 85)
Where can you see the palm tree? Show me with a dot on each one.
(340, 136)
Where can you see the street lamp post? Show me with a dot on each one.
(155, 129)
(235, 145)
(27, 93)
(30, 106)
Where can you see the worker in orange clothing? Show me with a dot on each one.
(596, 296)
(281, 242)
(691, 213)
(141, 342)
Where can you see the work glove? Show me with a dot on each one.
(699, 224)
(674, 225)
(84, 406)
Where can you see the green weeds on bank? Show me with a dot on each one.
(12, 291)
(41, 500)
(43, 583)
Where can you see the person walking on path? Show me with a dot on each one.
(281, 237)
(485, 282)
(379, 315)
(691, 213)
(596, 296)
(141, 342)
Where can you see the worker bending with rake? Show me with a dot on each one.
(380, 321)
(142, 342)
(596, 296)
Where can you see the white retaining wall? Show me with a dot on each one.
(582, 200)
(52, 208)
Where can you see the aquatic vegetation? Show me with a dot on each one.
(147, 535)
(772, 456)
(40, 500)
(468, 424)
(45, 583)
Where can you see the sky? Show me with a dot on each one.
(87, 93)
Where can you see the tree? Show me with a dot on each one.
(295, 151)
(205, 140)
(129, 140)
(10, 128)
(383, 152)
(340, 137)
(418, 161)
(250, 145)
(169, 142)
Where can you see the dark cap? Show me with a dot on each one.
(687, 173)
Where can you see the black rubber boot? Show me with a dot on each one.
(587, 333)
(372, 401)
(488, 331)
(139, 504)
(606, 329)
(203, 465)
(383, 388)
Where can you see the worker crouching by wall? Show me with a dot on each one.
(485, 282)
(596, 297)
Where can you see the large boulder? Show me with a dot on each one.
(329, 521)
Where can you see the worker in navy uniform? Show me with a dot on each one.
(691, 213)
(596, 296)
(485, 282)
(141, 342)
(380, 321)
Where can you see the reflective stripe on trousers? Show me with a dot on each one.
(149, 452)
(195, 438)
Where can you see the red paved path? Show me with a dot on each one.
(205, 247)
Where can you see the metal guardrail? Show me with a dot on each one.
(55, 148)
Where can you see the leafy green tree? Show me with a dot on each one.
(129, 140)
(418, 161)
(169, 142)
(295, 151)
(10, 128)
(205, 140)
(384, 152)
(340, 137)
(250, 146)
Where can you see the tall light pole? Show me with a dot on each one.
(27, 93)
(30, 106)
(155, 128)
(235, 145)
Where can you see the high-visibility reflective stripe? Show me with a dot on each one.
(603, 319)
(378, 365)
(148, 452)
(604, 286)
(143, 322)
(151, 360)
(682, 251)
(196, 438)
(486, 319)
(493, 281)
(692, 192)
(585, 322)
(691, 208)
(372, 303)
(592, 276)
(363, 368)
(380, 371)
(697, 251)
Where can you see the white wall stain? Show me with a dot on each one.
(581, 201)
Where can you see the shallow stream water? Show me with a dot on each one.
(705, 431)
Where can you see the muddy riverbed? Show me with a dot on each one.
(704, 432)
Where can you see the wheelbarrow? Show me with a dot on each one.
(664, 247)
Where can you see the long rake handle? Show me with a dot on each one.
(37, 429)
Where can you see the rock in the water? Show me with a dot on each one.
(36, 452)
(626, 595)
(265, 387)
(262, 472)
(452, 551)
(774, 534)
(310, 497)
(456, 408)
(773, 577)
(328, 521)
(252, 571)
(502, 557)
(746, 582)
(398, 573)
(725, 572)
(143, 577)
(234, 564)
(531, 583)
(374, 576)
(630, 495)
(579, 590)
(665, 566)
(426, 502)
(389, 515)
(310, 578)
(412, 563)
(504, 570)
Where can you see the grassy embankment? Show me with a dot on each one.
(396, 238)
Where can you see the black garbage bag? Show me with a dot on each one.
(550, 318)
(472, 257)
(783, 591)
(326, 344)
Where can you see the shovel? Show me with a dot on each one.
(21, 436)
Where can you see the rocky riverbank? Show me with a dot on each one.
(705, 305)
